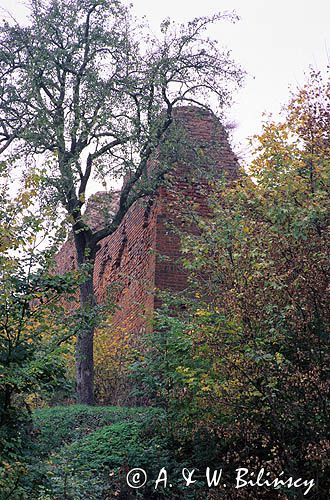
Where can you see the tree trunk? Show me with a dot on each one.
(85, 337)
(84, 345)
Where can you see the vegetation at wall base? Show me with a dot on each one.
(241, 363)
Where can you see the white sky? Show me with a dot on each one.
(275, 41)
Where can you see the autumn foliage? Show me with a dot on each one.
(247, 361)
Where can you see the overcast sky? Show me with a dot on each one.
(275, 42)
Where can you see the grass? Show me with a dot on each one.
(82, 452)
(62, 425)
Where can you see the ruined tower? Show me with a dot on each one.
(142, 256)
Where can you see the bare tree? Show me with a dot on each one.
(92, 91)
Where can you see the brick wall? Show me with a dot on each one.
(208, 152)
(128, 264)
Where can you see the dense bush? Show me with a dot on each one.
(243, 367)
(33, 325)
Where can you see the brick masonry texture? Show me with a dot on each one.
(143, 255)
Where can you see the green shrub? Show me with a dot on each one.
(85, 453)
(60, 425)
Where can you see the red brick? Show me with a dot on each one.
(132, 259)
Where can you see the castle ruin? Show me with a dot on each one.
(143, 255)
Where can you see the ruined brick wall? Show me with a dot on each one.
(126, 264)
(211, 155)
(129, 261)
